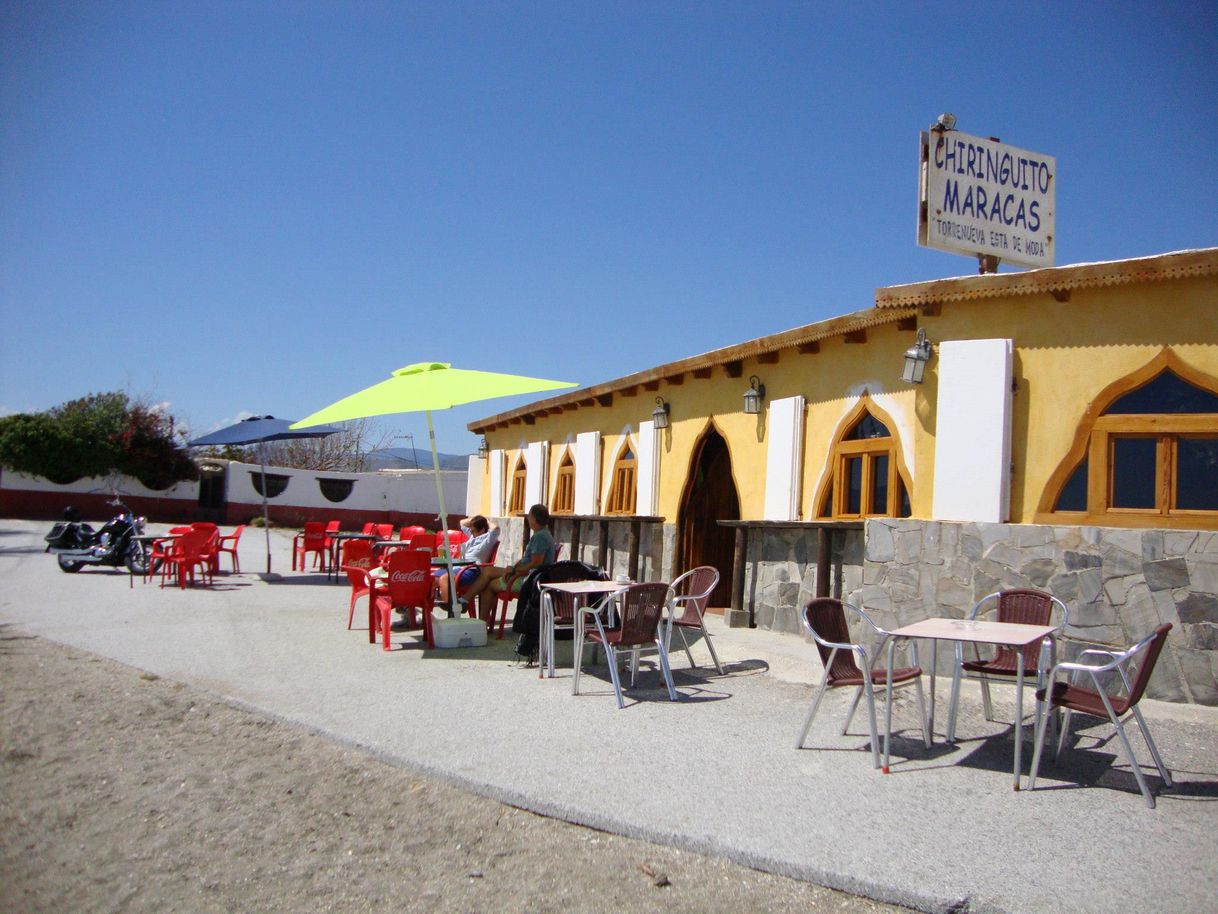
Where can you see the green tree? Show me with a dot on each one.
(94, 436)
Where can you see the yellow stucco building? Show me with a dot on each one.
(1069, 398)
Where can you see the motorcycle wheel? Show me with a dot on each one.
(67, 566)
(137, 558)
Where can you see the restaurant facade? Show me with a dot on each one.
(1063, 435)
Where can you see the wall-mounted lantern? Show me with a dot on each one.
(753, 396)
(916, 357)
(659, 415)
(484, 449)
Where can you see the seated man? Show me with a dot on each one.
(538, 552)
(483, 537)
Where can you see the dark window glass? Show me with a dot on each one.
(1167, 393)
(276, 483)
(1133, 472)
(335, 489)
(903, 510)
(868, 427)
(826, 506)
(1197, 474)
(854, 485)
(1073, 496)
(879, 485)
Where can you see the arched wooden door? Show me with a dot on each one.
(710, 496)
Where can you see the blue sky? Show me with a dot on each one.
(255, 207)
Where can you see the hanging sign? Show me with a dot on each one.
(981, 197)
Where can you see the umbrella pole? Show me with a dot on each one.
(266, 517)
(448, 552)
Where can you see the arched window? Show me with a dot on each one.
(564, 486)
(516, 502)
(622, 492)
(1146, 453)
(865, 476)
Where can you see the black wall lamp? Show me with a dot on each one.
(484, 449)
(916, 357)
(659, 415)
(753, 396)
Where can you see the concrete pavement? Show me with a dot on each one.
(715, 772)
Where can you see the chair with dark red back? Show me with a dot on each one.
(849, 663)
(1026, 607)
(1097, 702)
(691, 593)
(641, 614)
(407, 585)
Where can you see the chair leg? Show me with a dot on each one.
(955, 701)
(1042, 722)
(1133, 763)
(685, 641)
(1061, 737)
(665, 670)
(820, 693)
(986, 705)
(858, 693)
(715, 657)
(1154, 750)
(611, 654)
(922, 712)
(875, 735)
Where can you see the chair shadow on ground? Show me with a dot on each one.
(298, 578)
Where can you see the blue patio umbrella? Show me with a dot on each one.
(259, 430)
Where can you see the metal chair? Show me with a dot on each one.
(848, 663)
(641, 612)
(1098, 703)
(691, 593)
(1029, 607)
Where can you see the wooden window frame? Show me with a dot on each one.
(830, 502)
(519, 477)
(1166, 431)
(564, 485)
(1094, 442)
(623, 493)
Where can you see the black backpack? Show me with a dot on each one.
(527, 623)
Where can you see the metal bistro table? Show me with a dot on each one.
(577, 589)
(978, 631)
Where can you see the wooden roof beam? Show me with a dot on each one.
(734, 368)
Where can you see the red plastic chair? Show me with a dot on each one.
(213, 544)
(357, 562)
(407, 585)
(186, 553)
(228, 546)
(452, 540)
(369, 527)
(423, 541)
(384, 531)
(407, 532)
(313, 539)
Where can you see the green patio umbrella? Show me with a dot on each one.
(425, 387)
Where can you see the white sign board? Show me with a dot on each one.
(979, 196)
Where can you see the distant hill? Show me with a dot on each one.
(403, 458)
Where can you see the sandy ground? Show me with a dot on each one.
(120, 791)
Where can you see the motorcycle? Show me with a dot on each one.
(76, 544)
